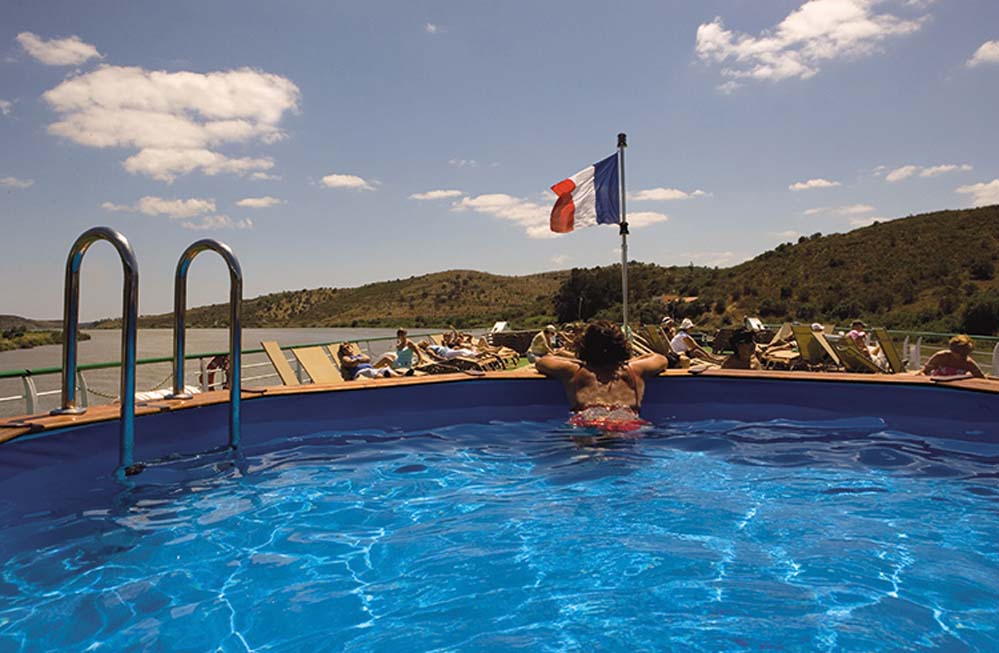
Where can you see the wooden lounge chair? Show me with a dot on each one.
(815, 350)
(888, 347)
(280, 363)
(482, 362)
(854, 360)
(639, 345)
(318, 365)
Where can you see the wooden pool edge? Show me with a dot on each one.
(16, 427)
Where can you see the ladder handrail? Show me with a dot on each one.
(235, 328)
(130, 319)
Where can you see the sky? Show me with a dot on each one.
(340, 143)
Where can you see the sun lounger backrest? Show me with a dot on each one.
(279, 362)
(437, 339)
(813, 346)
(888, 347)
(784, 333)
(853, 359)
(318, 365)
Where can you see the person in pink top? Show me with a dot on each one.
(858, 334)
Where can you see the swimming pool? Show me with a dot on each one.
(785, 529)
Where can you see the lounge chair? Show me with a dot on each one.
(815, 350)
(280, 363)
(482, 362)
(888, 347)
(853, 359)
(639, 345)
(318, 365)
(656, 340)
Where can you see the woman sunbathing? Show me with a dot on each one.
(605, 386)
(356, 365)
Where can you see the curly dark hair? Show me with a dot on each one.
(603, 343)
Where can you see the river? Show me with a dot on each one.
(105, 346)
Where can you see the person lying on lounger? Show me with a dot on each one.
(356, 365)
(604, 386)
(685, 345)
(955, 361)
(403, 356)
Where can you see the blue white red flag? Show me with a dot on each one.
(588, 198)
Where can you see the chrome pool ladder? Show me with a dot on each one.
(235, 328)
(70, 329)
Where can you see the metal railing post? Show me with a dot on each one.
(30, 394)
(235, 328)
(129, 319)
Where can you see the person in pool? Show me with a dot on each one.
(604, 385)
(955, 361)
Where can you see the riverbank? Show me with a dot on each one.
(14, 339)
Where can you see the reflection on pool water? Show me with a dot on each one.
(711, 536)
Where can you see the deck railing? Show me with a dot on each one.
(206, 377)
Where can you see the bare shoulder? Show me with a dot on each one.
(556, 366)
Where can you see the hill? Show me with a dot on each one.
(461, 297)
(934, 271)
(28, 324)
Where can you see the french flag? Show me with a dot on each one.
(588, 198)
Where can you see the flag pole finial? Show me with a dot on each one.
(622, 140)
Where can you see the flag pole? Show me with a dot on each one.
(622, 142)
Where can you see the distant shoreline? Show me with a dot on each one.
(17, 339)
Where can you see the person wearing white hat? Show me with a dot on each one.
(683, 344)
(542, 344)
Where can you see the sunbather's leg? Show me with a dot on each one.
(386, 360)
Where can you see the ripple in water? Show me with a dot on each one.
(710, 536)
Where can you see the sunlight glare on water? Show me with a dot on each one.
(706, 536)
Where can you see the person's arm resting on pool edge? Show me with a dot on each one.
(649, 364)
(557, 366)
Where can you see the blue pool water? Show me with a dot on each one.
(700, 536)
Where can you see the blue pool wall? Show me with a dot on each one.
(275, 421)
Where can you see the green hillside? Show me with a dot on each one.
(460, 297)
(934, 271)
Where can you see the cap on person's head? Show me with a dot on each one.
(817, 327)
(551, 328)
(666, 320)
(859, 323)
(686, 324)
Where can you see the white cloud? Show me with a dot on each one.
(560, 259)
(264, 176)
(790, 234)
(436, 195)
(432, 28)
(645, 218)
(259, 202)
(857, 223)
(463, 163)
(57, 52)
(534, 218)
(813, 183)
(904, 172)
(988, 52)
(217, 223)
(852, 209)
(665, 194)
(933, 171)
(816, 32)
(352, 182)
(175, 121)
(983, 193)
(6, 107)
(173, 208)
(14, 182)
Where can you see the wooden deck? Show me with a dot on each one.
(16, 427)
